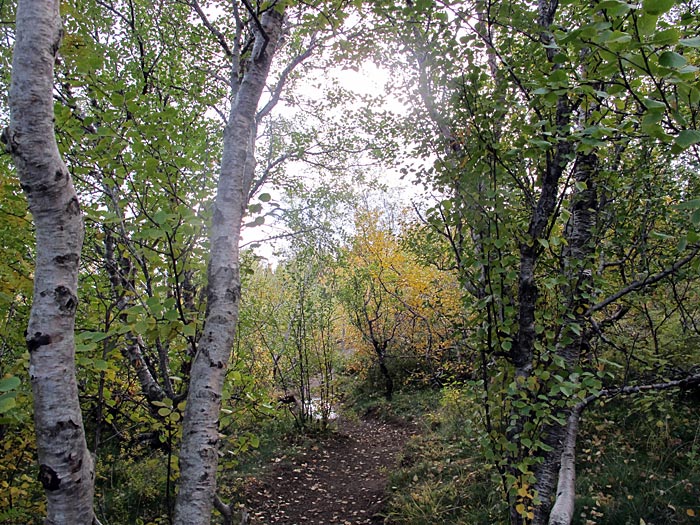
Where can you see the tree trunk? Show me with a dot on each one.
(65, 465)
(388, 381)
(577, 254)
(198, 453)
(563, 510)
(131, 349)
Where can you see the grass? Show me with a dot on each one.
(638, 469)
(639, 463)
(442, 482)
(442, 478)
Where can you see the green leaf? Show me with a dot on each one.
(7, 402)
(614, 7)
(687, 138)
(666, 37)
(264, 197)
(9, 383)
(650, 103)
(672, 59)
(154, 303)
(692, 204)
(618, 37)
(151, 164)
(695, 218)
(104, 131)
(690, 42)
(646, 24)
(160, 217)
(558, 78)
(101, 365)
(144, 325)
(657, 7)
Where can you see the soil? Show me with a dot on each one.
(341, 479)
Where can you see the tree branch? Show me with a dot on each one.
(641, 283)
(277, 91)
(260, 27)
(563, 509)
(214, 31)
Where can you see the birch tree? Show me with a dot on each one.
(65, 465)
(540, 142)
(249, 72)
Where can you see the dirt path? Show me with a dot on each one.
(340, 480)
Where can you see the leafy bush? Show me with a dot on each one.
(635, 466)
(131, 488)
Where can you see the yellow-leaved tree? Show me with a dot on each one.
(400, 311)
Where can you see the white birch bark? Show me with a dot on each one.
(563, 510)
(198, 452)
(65, 465)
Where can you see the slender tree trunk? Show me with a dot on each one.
(388, 381)
(65, 464)
(578, 233)
(131, 349)
(563, 510)
(200, 436)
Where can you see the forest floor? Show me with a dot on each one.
(340, 479)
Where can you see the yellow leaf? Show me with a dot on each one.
(522, 491)
(690, 512)
(520, 509)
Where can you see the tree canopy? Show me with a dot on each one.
(542, 275)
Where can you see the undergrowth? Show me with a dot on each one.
(639, 464)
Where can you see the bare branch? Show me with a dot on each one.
(214, 31)
(277, 91)
(563, 509)
(259, 25)
(257, 183)
(282, 236)
(646, 281)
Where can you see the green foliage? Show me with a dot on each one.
(640, 465)
(559, 157)
(131, 485)
(134, 120)
(21, 498)
(633, 466)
